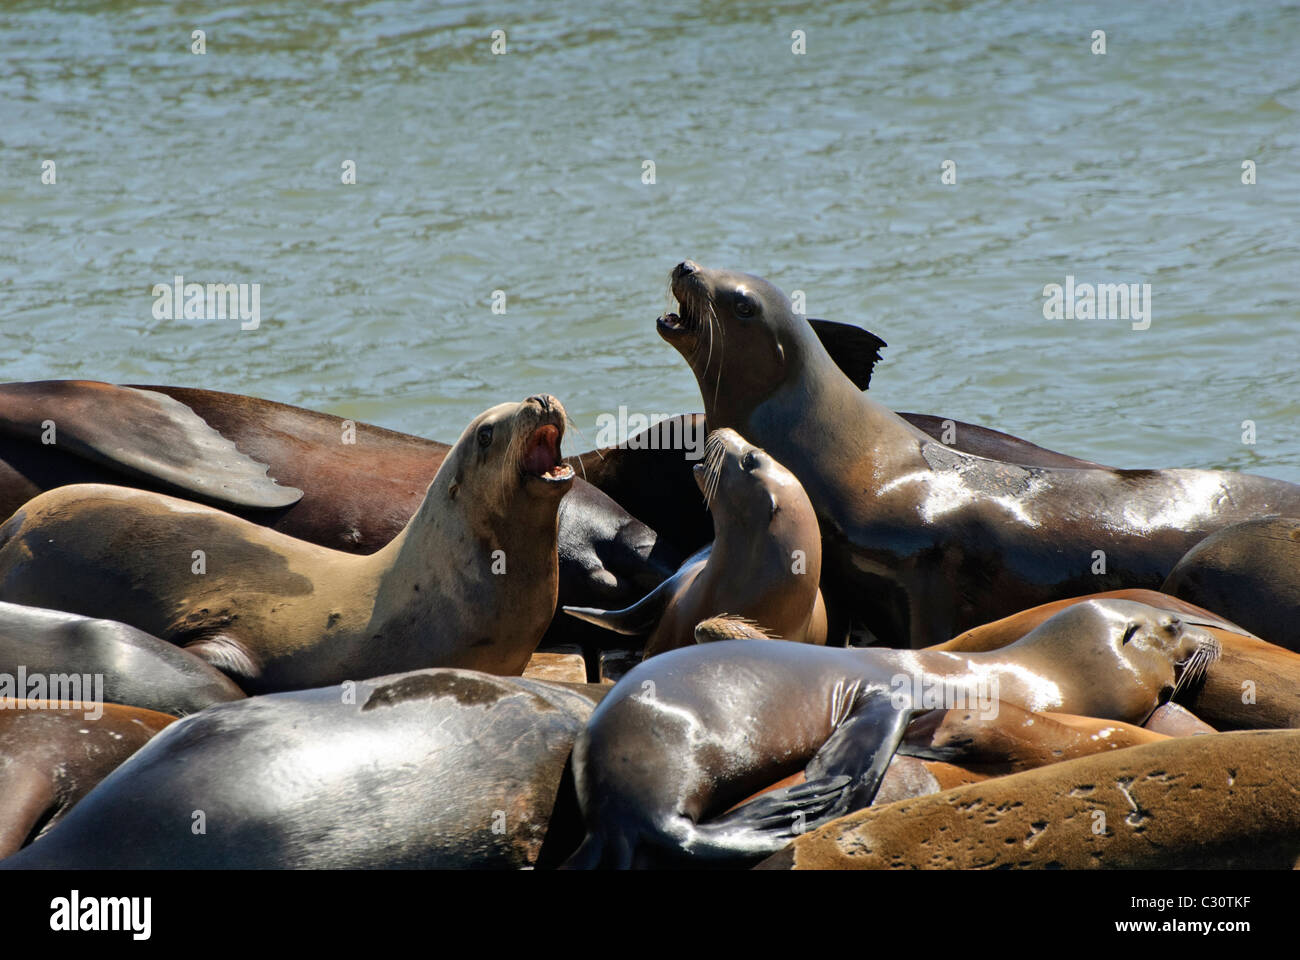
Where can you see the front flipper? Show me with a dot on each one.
(766, 824)
(140, 433)
(640, 618)
(854, 350)
(862, 746)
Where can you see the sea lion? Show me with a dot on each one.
(651, 472)
(764, 564)
(1250, 573)
(1227, 800)
(431, 769)
(470, 582)
(53, 753)
(976, 745)
(1011, 739)
(136, 668)
(338, 483)
(1254, 685)
(919, 539)
(686, 734)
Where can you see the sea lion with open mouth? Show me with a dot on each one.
(685, 735)
(919, 539)
(763, 566)
(470, 582)
(339, 483)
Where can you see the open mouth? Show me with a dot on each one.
(685, 322)
(542, 456)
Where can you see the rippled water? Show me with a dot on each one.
(522, 172)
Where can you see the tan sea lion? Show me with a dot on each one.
(685, 735)
(53, 752)
(1227, 800)
(1013, 739)
(470, 582)
(1254, 685)
(764, 564)
(919, 539)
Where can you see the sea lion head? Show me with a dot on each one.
(1126, 658)
(743, 483)
(512, 450)
(737, 332)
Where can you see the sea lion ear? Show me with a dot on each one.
(854, 350)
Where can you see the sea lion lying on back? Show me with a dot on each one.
(686, 734)
(471, 581)
(764, 563)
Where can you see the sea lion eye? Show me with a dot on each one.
(485, 435)
(1129, 633)
(745, 307)
(748, 461)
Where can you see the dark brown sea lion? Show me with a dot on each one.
(650, 473)
(920, 539)
(431, 769)
(764, 564)
(1253, 685)
(135, 667)
(1226, 800)
(470, 582)
(1251, 574)
(53, 753)
(342, 484)
(685, 735)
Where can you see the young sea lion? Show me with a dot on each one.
(470, 581)
(764, 564)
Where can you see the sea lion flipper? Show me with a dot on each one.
(862, 746)
(28, 798)
(780, 810)
(141, 433)
(640, 618)
(854, 350)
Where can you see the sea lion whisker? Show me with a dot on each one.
(1195, 667)
(715, 452)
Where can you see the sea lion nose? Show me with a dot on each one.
(545, 401)
(685, 269)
